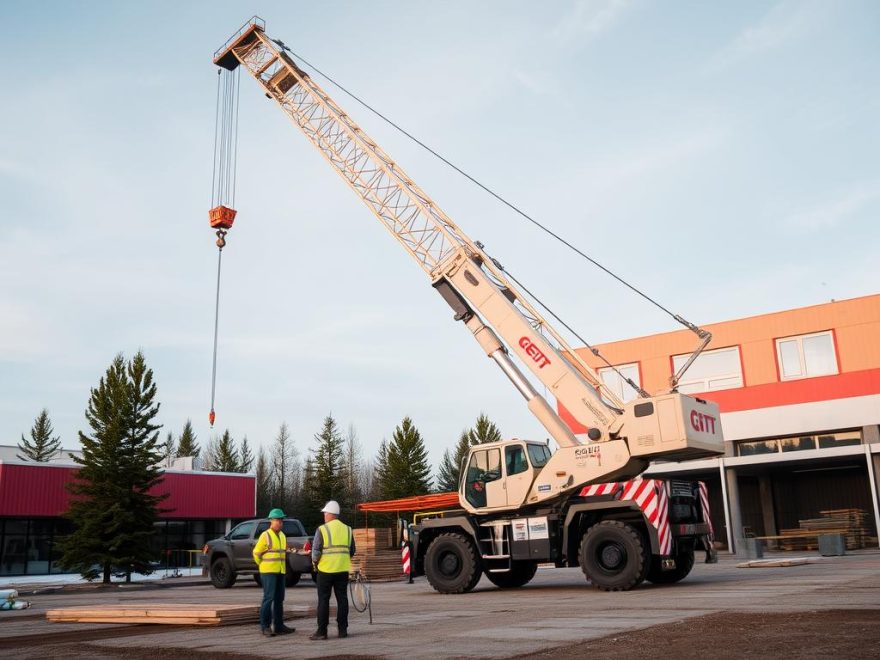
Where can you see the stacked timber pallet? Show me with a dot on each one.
(849, 522)
(176, 614)
(377, 556)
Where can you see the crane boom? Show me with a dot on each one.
(497, 314)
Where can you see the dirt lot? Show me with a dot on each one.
(832, 633)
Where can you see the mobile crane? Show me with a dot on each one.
(522, 504)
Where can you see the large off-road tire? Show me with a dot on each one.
(222, 574)
(684, 562)
(521, 573)
(451, 564)
(613, 556)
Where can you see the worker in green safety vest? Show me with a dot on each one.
(332, 550)
(270, 555)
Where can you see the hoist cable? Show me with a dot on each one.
(216, 327)
(223, 188)
(492, 192)
(235, 129)
(214, 179)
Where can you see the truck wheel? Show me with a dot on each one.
(613, 556)
(684, 562)
(291, 579)
(451, 564)
(222, 575)
(521, 573)
(258, 580)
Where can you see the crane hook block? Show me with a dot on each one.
(212, 417)
(222, 217)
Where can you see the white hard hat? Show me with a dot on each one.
(331, 507)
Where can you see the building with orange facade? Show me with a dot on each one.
(799, 393)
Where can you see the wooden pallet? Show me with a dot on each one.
(377, 556)
(164, 613)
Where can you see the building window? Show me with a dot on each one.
(720, 369)
(757, 447)
(616, 382)
(844, 439)
(799, 443)
(806, 356)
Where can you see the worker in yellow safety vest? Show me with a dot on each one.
(332, 550)
(270, 555)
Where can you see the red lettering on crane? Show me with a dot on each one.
(702, 422)
(534, 352)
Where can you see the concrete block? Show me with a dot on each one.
(751, 548)
(832, 545)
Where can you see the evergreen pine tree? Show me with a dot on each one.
(309, 506)
(408, 472)
(42, 446)
(449, 473)
(112, 510)
(263, 483)
(484, 431)
(226, 457)
(245, 456)
(187, 445)
(328, 462)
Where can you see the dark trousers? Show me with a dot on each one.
(336, 583)
(272, 609)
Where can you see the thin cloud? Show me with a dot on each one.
(786, 22)
(833, 212)
(588, 19)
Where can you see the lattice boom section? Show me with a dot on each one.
(423, 229)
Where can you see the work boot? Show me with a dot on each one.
(318, 635)
(267, 632)
(343, 632)
(284, 630)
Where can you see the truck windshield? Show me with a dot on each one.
(539, 454)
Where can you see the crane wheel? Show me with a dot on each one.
(451, 564)
(613, 556)
(684, 562)
(520, 574)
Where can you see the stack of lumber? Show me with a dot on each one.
(849, 522)
(374, 538)
(178, 614)
(377, 556)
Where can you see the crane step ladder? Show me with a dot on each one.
(495, 546)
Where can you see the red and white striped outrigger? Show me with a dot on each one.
(651, 497)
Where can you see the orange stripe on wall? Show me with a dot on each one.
(769, 395)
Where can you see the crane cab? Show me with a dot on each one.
(499, 475)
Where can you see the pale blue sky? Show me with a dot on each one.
(723, 156)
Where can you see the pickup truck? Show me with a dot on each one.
(231, 555)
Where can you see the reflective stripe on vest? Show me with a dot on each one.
(273, 559)
(335, 557)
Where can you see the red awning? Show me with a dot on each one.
(414, 503)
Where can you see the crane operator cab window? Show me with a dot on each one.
(515, 459)
(539, 454)
(483, 468)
